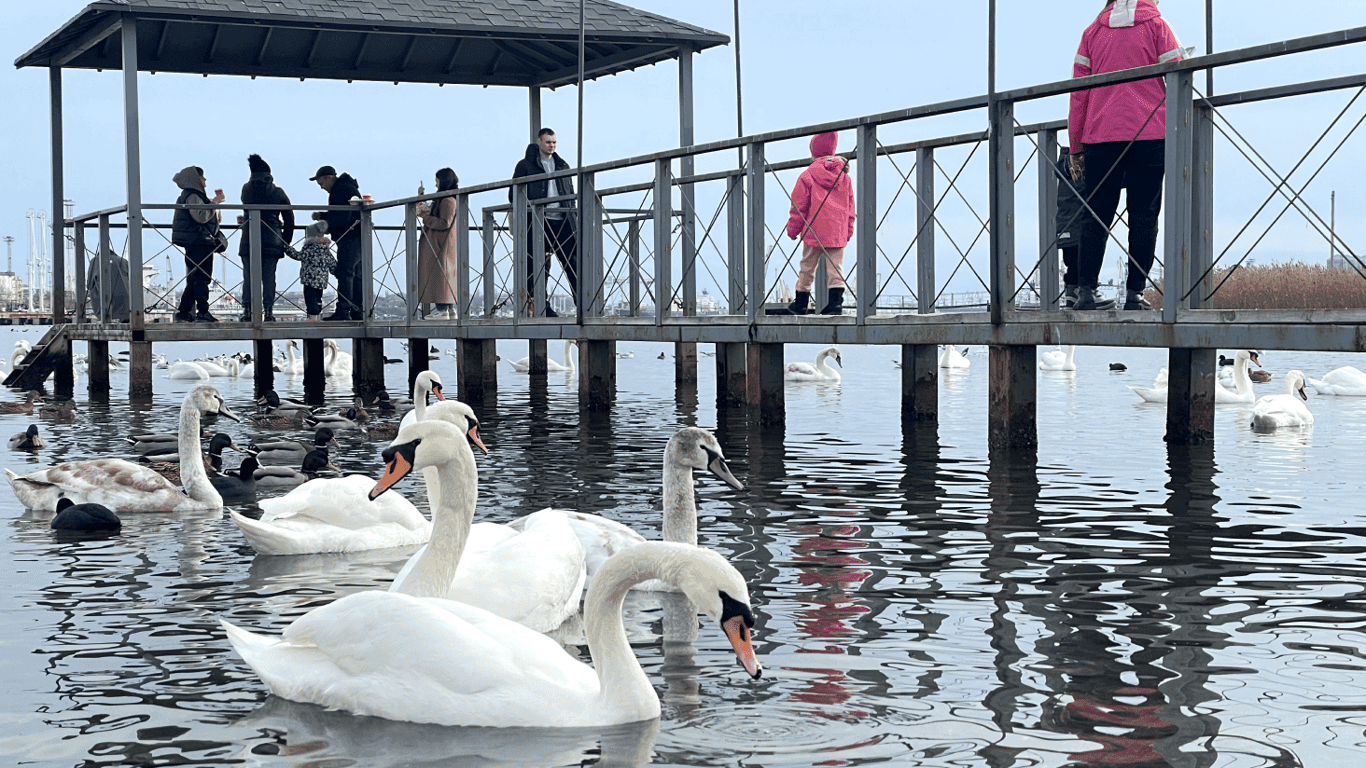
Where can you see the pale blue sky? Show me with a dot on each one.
(804, 62)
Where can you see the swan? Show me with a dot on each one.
(428, 382)
(1057, 360)
(952, 358)
(818, 372)
(336, 362)
(524, 365)
(84, 517)
(1284, 410)
(28, 440)
(187, 372)
(21, 350)
(533, 575)
(213, 368)
(127, 487)
(290, 451)
(292, 366)
(1346, 381)
(314, 463)
(423, 659)
(31, 398)
(333, 515)
(1242, 393)
(690, 449)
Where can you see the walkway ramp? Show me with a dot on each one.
(41, 361)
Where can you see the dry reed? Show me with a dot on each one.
(1283, 286)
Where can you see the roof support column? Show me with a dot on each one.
(54, 80)
(133, 160)
(686, 168)
(534, 109)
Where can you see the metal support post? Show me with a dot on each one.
(133, 172)
(103, 262)
(924, 230)
(256, 280)
(633, 268)
(764, 384)
(139, 372)
(410, 250)
(685, 363)
(1012, 410)
(367, 373)
(54, 80)
(663, 223)
(489, 238)
(1002, 213)
(97, 370)
(520, 248)
(1202, 207)
(534, 109)
(462, 258)
(1176, 206)
(367, 273)
(866, 224)
(919, 384)
(418, 354)
(686, 168)
(754, 243)
(597, 374)
(315, 373)
(1048, 219)
(476, 370)
(263, 370)
(730, 374)
(78, 235)
(1190, 395)
(590, 301)
(735, 246)
(536, 357)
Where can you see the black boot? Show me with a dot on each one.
(835, 306)
(799, 305)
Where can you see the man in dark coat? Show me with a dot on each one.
(1069, 221)
(344, 229)
(277, 230)
(540, 158)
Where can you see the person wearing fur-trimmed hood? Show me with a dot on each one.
(822, 215)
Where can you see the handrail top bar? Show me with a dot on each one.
(96, 214)
(1280, 91)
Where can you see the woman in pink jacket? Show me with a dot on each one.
(823, 214)
(1117, 141)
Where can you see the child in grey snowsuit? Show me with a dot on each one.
(316, 261)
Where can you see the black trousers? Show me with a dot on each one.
(198, 268)
(559, 238)
(1137, 169)
(349, 290)
(268, 265)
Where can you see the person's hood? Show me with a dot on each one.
(348, 184)
(1126, 13)
(826, 171)
(263, 178)
(533, 152)
(187, 178)
(824, 144)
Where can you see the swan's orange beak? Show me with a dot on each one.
(474, 438)
(738, 634)
(436, 390)
(398, 462)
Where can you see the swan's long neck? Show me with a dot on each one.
(623, 684)
(568, 360)
(331, 352)
(453, 498)
(680, 508)
(419, 401)
(1071, 350)
(192, 473)
(1241, 381)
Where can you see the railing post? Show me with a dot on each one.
(735, 245)
(1176, 223)
(1048, 219)
(105, 311)
(519, 227)
(592, 294)
(255, 277)
(866, 224)
(367, 264)
(755, 178)
(633, 267)
(1002, 213)
(663, 223)
(410, 249)
(489, 240)
(924, 230)
(1202, 206)
(78, 236)
(133, 161)
(540, 260)
(462, 258)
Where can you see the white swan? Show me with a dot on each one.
(187, 372)
(429, 383)
(1242, 392)
(690, 449)
(817, 372)
(292, 366)
(213, 368)
(21, 350)
(1284, 410)
(333, 515)
(336, 362)
(1057, 360)
(127, 487)
(1346, 381)
(431, 660)
(524, 365)
(533, 576)
(952, 358)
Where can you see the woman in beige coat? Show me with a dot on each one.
(436, 250)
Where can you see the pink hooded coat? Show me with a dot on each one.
(1127, 34)
(823, 198)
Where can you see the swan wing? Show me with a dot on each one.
(534, 576)
(294, 536)
(424, 660)
(118, 484)
(341, 502)
(1150, 395)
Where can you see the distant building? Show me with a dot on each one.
(11, 289)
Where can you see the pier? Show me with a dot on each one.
(650, 226)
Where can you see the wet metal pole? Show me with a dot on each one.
(1209, 46)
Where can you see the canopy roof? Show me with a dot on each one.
(488, 42)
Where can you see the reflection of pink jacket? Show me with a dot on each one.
(823, 198)
(1127, 34)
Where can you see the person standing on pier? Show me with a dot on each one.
(277, 231)
(436, 250)
(823, 216)
(1068, 223)
(1117, 141)
(344, 229)
(540, 158)
(195, 231)
(316, 262)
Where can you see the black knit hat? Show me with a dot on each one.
(257, 165)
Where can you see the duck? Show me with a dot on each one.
(1118, 367)
(217, 444)
(385, 432)
(284, 420)
(273, 403)
(421, 659)
(1225, 362)
(352, 418)
(28, 440)
(31, 398)
(524, 365)
(127, 487)
(952, 358)
(1059, 360)
(88, 517)
(1259, 377)
(1346, 381)
(1274, 412)
(818, 371)
(314, 463)
(61, 410)
(291, 451)
(238, 485)
(149, 442)
(532, 574)
(333, 515)
(689, 450)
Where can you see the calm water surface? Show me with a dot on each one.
(1110, 601)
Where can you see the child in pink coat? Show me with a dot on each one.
(823, 214)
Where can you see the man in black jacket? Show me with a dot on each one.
(277, 230)
(344, 229)
(1069, 221)
(559, 217)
